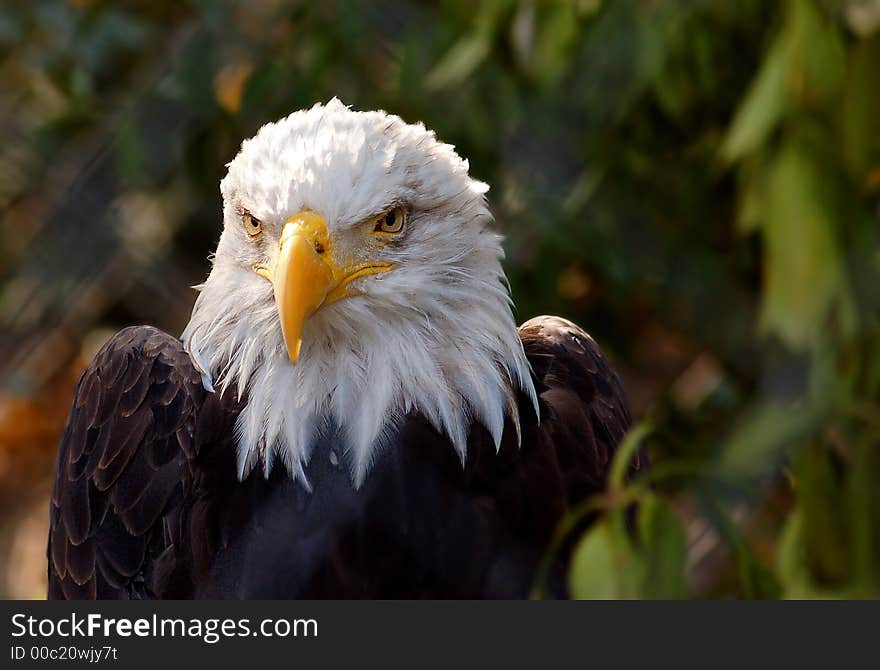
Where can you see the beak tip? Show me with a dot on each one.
(293, 352)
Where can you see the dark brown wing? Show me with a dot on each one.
(124, 461)
(584, 408)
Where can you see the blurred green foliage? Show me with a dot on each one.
(697, 182)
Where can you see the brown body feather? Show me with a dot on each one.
(147, 504)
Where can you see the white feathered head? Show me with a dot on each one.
(356, 280)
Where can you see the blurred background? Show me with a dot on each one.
(696, 182)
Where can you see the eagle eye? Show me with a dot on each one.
(253, 226)
(391, 222)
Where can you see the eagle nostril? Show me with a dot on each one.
(319, 248)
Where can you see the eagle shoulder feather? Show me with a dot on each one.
(124, 460)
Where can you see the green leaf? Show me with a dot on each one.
(825, 532)
(460, 61)
(804, 66)
(557, 35)
(791, 558)
(863, 499)
(603, 566)
(758, 443)
(802, 265)
(859, 118)
(758, 582)
(815, 552)
(752, 195)
(625, 452)
(818, 61)
(664, 548)
(472, 49)
(763, 106)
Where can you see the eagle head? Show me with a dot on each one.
(356, 280)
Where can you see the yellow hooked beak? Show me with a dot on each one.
(305, 275)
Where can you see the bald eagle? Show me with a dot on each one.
(351, 410)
